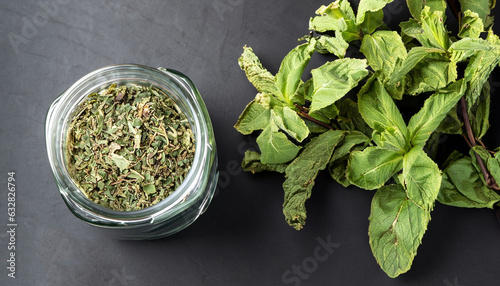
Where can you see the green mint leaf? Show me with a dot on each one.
(262, 79)
(369, 6)
(353, 141)
(481, 7)
(290, 122)
(451, 124)
(382, 50)
(275, 147)
(478, 71)
(379, 111)
(396, 228)
(435, 109)
(463, 186)
(472, 25)
(372, 21)
(288, 77)
(338, 17)
(434, 30)
(371, 168)
(465, 48)
(479, 114)
(333, 45)
(335, 79)
(251, 163)
(349, 117)
(301, 173)
(421, 177)
(254, 117)
(430, 76)
(120, 161)
(416, 6)
(415, 56)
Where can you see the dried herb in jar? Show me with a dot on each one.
(129, 147)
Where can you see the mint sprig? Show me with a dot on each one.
(306, 127)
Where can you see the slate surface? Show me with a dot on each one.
(242, 239)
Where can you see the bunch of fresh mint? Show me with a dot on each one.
(306, 127)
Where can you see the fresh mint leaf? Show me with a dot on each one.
(289, 75)
(415, 56)
(383, 50)
(353, 141)
(428, 76)
(254, 117)
(435, 109)
(349, 117)
(463, 186)
(421, 177)
(479, 114)
(275, 147)
(396, 228)
(333, 45)
(261, 78)
(416, 6)
(301, 173)
(379, 111)
(335, 79)
(371, 168)
(480, 66)
(288, 121)
(435, 32)
(372, 21)
(369, 6)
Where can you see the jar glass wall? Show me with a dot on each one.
(173, 213)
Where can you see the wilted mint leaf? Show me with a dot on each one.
(262, 79)
(251, 162)
(481, 7)
(472, 25)
(301, 173)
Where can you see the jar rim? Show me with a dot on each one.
(186, 96)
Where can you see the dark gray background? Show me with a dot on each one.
(242, 239)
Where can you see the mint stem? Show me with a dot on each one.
(490, 181)
(303, 113)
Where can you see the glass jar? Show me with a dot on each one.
(173, 213)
